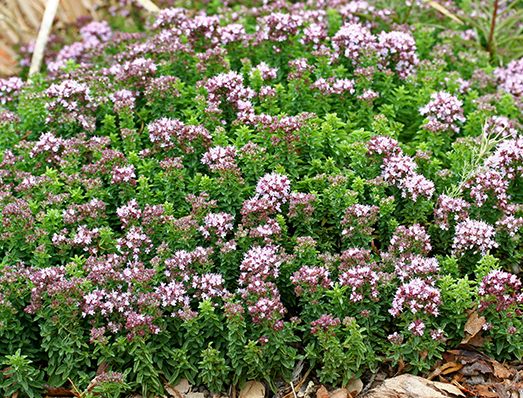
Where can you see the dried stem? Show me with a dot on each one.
(487, 144)
(43, 35)
(493, 26)
(149, 5)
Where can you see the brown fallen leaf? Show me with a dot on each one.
(485, 392)
(447, 368)
(455, 383)
(251, 389)
(102, 368)
(473, 326)
(409, 386)
(476, 361)
(477, 340)
(475, 367)
(4, 371)
(448, 388)
(465, 356)
(354, 386)
(500, 371)
(202, 395)
(341, 393)
(449, 356)
(173, 392)
(401, 365)
(59, 392)
(502, 391)
(183, 386)
(457, 377)
(322, 393)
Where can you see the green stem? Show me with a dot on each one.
(409, 10)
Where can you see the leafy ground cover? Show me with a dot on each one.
(217, 192)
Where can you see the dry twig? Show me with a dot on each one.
(43, 36)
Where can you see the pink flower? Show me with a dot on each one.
(279, 27)
(359, 219)
(222, 160)
(417, 296)
(260, 263)
(353, 41)
(417, 327)
(400, 49)
(413, 240)
(473, 235)
(362, 281)
(266, 72)
(500, 289)
(449, 210)
(310, 278)
(443, 111)
(218, 224)
(274, 187)
(326, 324)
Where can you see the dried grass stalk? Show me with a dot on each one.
(20, 22)
(43, 36)
(149, 5)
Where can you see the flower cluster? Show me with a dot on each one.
(219, 224)
(511, 77)
(473, 235)
(9, 89)
(69, 101)
(443, 111)
(201, 30)
(507, 159)
(353, 41)
(500, 289)
(326, 323)
(413, 240)
(209, 285)
(173, 133)
(301, 204)
(510, 224)
(500, 126)
(110, 378)
(449, 210)
(354, 258)
(362, 281)
(96, 30)
(275, 188)
(400, 49)
(410, 266)
(334, 86)
(400, 169)
(222, 160)
(139, 70)
(279, 27)
(228, 89)
(265, 71)
(314, 35)
(359, 219)
(308, 279)
(162, 87)
(417, 296)
(260, 264)
(485, 184)
(123, 100)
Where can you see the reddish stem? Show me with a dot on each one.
(492, 27)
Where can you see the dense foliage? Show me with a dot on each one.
(215, 194)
